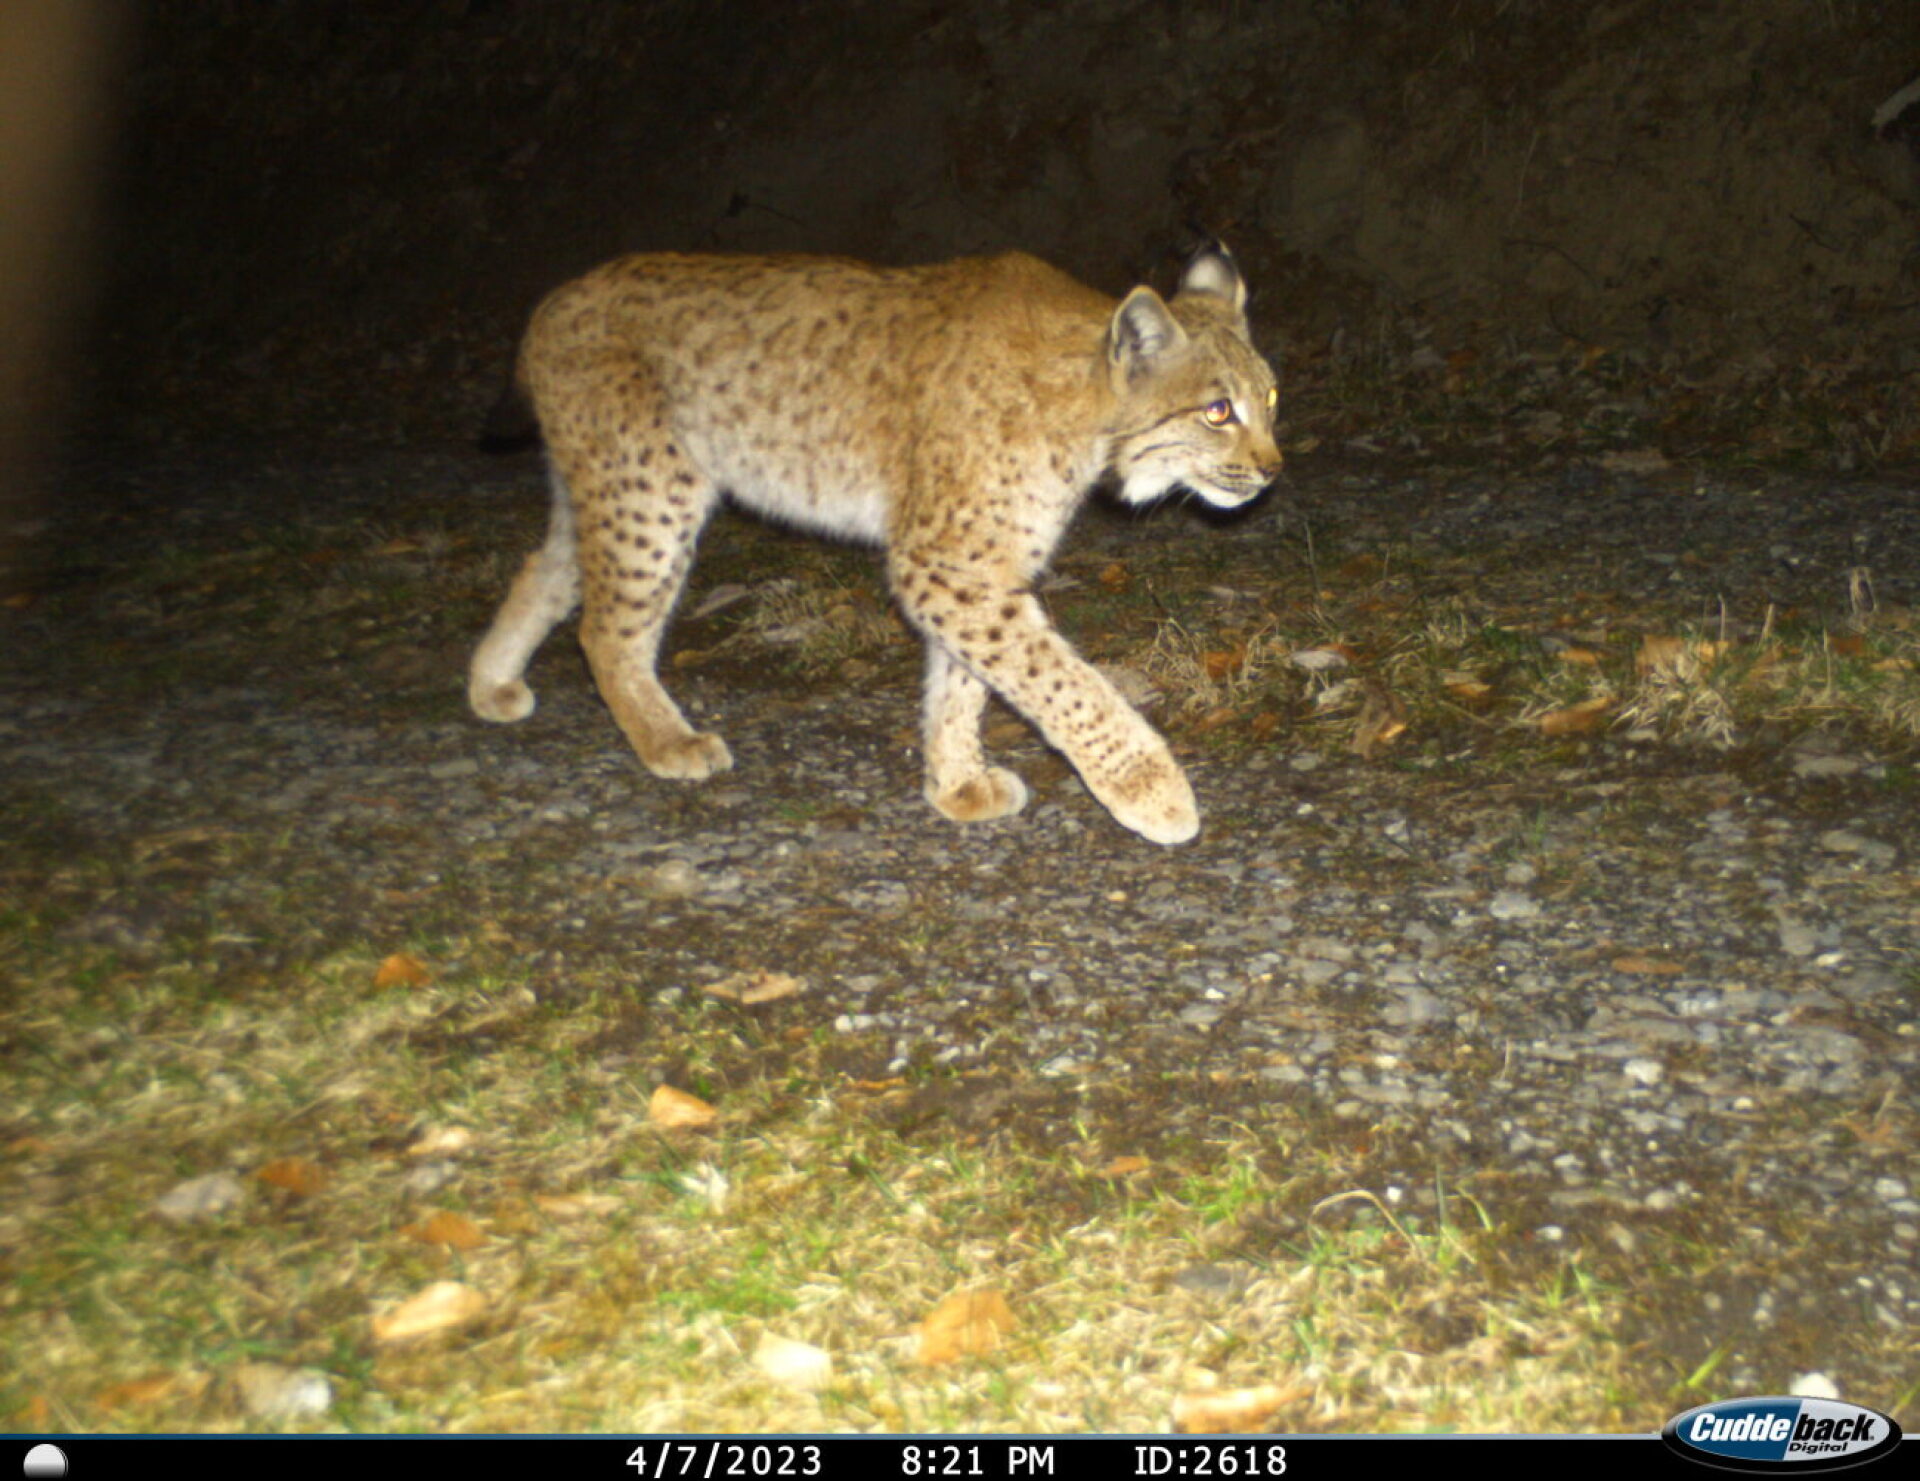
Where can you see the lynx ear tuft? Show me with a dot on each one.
(1214, 272)
(1143, 331)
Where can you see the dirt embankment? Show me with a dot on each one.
(334, 222)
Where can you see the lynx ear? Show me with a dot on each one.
(1143, 330)
(1214, 272)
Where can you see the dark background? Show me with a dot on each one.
(329, 218)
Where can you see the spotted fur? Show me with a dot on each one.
(956, 414)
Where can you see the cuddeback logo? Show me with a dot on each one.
(1781, 1434)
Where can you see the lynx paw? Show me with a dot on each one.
(1155, 800)
(693, 759)
(993, 793)
(503, 703)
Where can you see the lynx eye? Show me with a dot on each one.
(1273, 400)
(1217, 413)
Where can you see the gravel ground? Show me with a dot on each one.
(1628, 989)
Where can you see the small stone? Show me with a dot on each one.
(269, 1391)
(1797, 939)
(1513, 905)
(1644, 1071)
(200, 1198)
(447, 771)
(1814, 1386)
(1825, 766)
(675, 879)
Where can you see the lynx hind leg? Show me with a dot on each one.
(641, 505)
(960, 784)
(544, 593)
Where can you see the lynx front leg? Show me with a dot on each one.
(959, 781)
(1003, 637)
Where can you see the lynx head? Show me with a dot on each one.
(1195, 402)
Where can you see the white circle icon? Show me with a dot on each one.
(46, 1460)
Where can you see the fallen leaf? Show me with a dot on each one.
(1124, 1167)
(1263, 725)
(148, 1390)
(1214, 719)
(755, 987)
(444, 1306)
(796, 1364)
(441, 1141)
(671, 1107)
(1635, 460)
(1316, 660)
(400, 545)
(1234, 1410)
(1586, 657)
(294, 1175)
(1221, 663)
(1383, 719)
(1665, 653)
(723, 596)
(966, 1323)
(401, 970)
(1575, 719)
(564, 1206)
(455, 1231)
(1473, 693)
(1114, 577)
(1846, 645)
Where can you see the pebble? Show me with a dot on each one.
(1513, 905)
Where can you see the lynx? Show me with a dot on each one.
(956, 414)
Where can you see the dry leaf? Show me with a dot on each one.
(401, 970)
(1647, 966)
(400, 545)
(1124, 1167)
(1263, 725)
(1473, 693)
(1577, 719)
(1222, 663)
(1664, 653)
(670, 1107)
(293, 1174)
(755, 987)
(1635, 460)
(1326, 656)
(1586, 657)
(1114, 577)
(444, 1306)
(1234, 1410)
(561, 1207)
(1846, 645)
(441, 1141)
(455, 1231)
(1214, 719)
(796, 1364)
(148, 1390)
(966, 1323)
(1383, 719)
